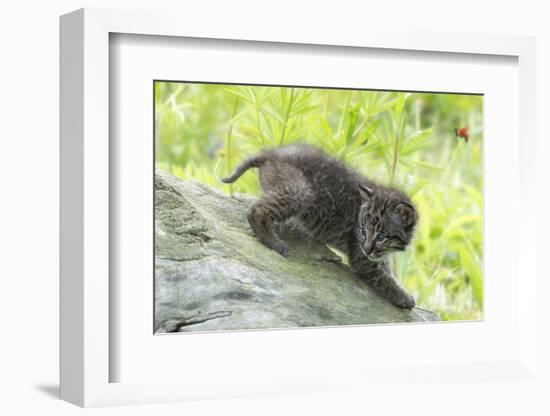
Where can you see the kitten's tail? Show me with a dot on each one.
(251, 162)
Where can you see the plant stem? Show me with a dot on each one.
(287, 116)
(343, 116)
(359, 128)
(395, 156)
(456, 150)
(258, 120)
(228, 140)
(445, 175)
(417, 105)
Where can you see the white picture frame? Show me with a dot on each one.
(85, 220)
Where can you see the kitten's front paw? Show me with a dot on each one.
(281, 248)
(405, 302)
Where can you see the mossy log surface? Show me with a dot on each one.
(212, 274)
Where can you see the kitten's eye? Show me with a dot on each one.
(380, 237)
(363, 232)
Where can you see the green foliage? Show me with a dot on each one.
(405, 140)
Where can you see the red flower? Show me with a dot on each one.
(462, 132)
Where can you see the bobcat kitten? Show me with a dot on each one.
(335, 206)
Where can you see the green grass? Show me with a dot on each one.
(405, 140)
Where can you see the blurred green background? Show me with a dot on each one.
(406, 140)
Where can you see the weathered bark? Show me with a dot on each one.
(212, 274)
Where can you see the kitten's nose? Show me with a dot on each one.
(368, 247)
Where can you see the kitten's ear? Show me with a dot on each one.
(365, 191)
(406, 213)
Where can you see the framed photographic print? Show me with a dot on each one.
(274, 213)
(309, 146)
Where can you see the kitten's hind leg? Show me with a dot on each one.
(261, 217)
(286, 195)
